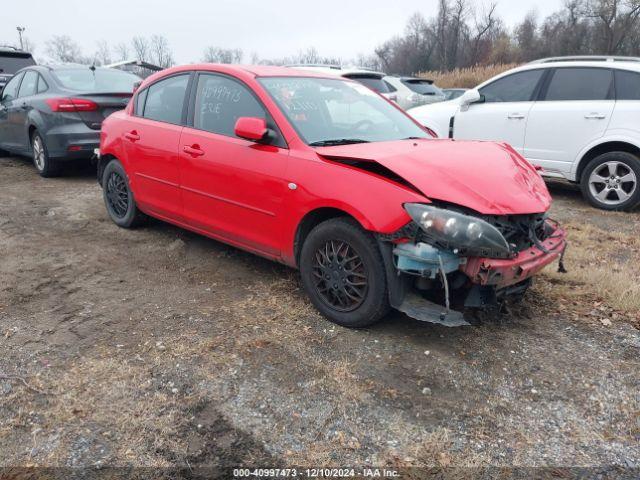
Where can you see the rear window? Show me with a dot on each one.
(374, 82)
(422, 87)
(100, 80)
(627, 85)
(580, 84)
(12, 62)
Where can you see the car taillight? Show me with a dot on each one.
(71, 105)
(431, 132)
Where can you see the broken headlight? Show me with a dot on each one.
(463, 234)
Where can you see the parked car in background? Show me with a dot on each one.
(369, 78)
(453, 93)
(55, 113)
(322, 174)
(413, 92)
(576, 117)
(12, 60)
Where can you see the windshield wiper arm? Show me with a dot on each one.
(337, 141)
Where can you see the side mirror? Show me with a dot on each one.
(251, 128)
(470, 96)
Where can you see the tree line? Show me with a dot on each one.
(458, 34)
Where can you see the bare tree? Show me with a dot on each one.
(484, 25)
(222, 55)
(103, 53)
(141, 48)
(615, 19)
(160, 51)
(63, 49)
(121, 51)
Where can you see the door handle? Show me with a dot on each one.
(132, 135)
(515, 116)
(193, 150)
(595, 116)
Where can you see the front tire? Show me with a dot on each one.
(118, 197)
(45, 166)
(343, 273)
(611, 181)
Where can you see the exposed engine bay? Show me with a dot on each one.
(447, 263)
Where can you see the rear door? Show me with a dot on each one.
(7, 117)
(573, 111)
(232, 188)
(18, 128)
(151, 139)
(503, 114)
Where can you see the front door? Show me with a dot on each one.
(9, 114)
(232, 188)
(502, 115)
(152, 142)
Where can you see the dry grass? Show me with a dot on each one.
(466, 77)
(602, 272)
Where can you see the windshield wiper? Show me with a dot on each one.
(337, 141)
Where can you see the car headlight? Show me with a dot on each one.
(464, 234)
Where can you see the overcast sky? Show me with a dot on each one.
(270, 28)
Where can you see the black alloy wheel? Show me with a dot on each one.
(340, 276)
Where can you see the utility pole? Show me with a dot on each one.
(20, 32)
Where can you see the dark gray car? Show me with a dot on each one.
(55, 113)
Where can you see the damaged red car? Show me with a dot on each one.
(326, 176)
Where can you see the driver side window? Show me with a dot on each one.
(11, 89)
(518, 87)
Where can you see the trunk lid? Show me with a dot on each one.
(107, 104)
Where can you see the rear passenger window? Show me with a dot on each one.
(165, 99)
(579, 84)
(220, 101)
(28, 85)
(518, 87)
(627, 85)
(42, 85)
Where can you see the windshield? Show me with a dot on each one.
(332, 112)
(100, 80)
(11, 63)
(422, 87)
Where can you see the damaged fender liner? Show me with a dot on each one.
(505, 272)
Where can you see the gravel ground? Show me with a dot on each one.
(158, 347)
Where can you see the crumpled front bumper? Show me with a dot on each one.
(504, 272)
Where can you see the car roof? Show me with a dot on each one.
(618, 65)
(240, 71)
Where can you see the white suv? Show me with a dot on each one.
(576, 117)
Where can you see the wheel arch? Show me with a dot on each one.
(313, 218)
(103, 161)
(605, 147)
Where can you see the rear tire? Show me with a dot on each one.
(45, 166)
(118, 197)
(611, 181)
(343, 273)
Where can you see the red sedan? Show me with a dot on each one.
(325, 175)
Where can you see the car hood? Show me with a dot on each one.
(490, 178)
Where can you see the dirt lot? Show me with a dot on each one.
(159, 347)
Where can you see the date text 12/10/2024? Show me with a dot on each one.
(315, 473)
